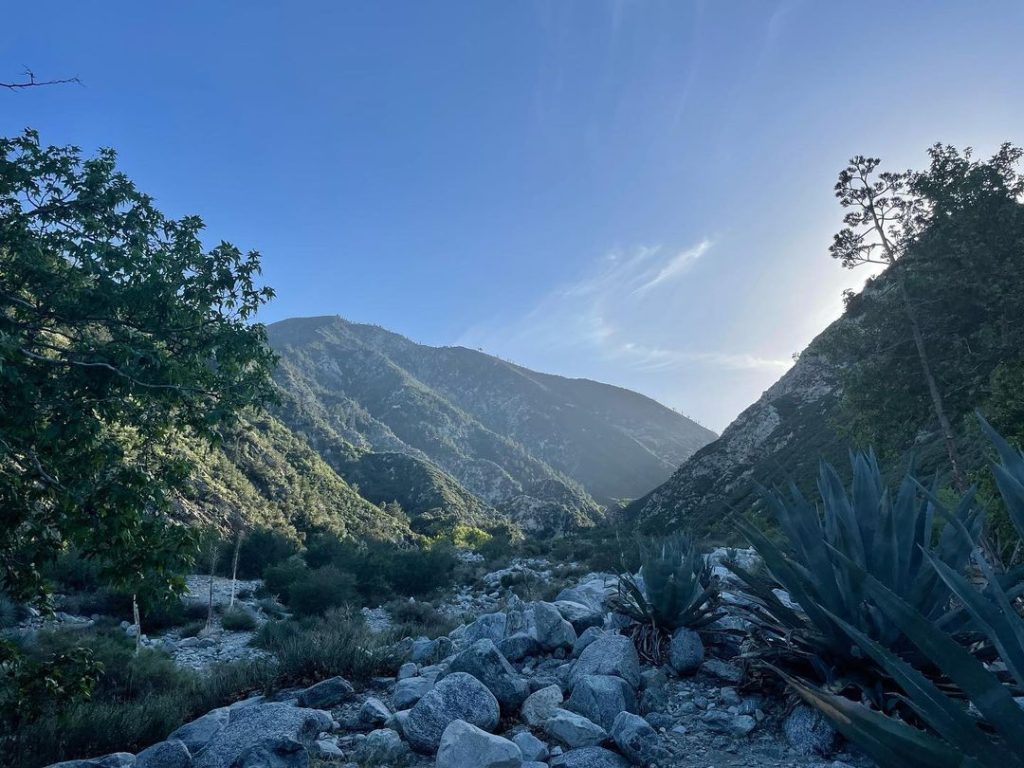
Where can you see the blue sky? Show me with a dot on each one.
(636, 192)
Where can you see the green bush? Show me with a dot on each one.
(10, 612)
(418, 572)
(320, 590)
(260, 550)
(413, 618)
(278, 579)
(325, 646)
(238, 620)
(72, 571)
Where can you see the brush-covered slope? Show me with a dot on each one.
(543, 451)
(265, 475)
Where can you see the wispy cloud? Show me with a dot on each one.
(620, 312)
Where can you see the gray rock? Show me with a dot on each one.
(113, 760)
(459, 696)
(533, 749)
(423, 650)
(484, 661)
(582, 617)
(809, 732)
(198, 733)
(274, 752)
(608, 655)
(636, 739)
(533, 764)
(165, 754)
(601, 698)
(518, 646)
(489, 626)
(465, 746)
(268, 723)
(726, 722)
(540, 705)
(407, 670)
(589, 635)
(544, 622)
(326, 694)
(593, 592)
(380, 748)
(686, 651)
(659, 720)
(574, 730)
(327, 749)
(374, 713)
(590, 757)
(723, 670)
(410, 690)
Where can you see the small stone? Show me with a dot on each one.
(723, 670)
(380, 748)
(686, 651)
(809, 732)
(374, 713)
(636, 739)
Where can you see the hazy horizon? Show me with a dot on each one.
(636, 193)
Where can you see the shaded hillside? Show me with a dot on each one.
(538, 449)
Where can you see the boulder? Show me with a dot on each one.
(484, 661)
(465, 746)
(581, 616)
(326, 694)
(601, 698)
(489, 626)
(533, 749)
(590, 757)
(518, 646)
(274, 752)
(165, 754)
(410, 690)
(198, 733)
(685, 651)
(270, 724)
(809, 732)
(574, 730)
(594, 592)
(459, 696)
(541, 621)
(636, 739)
(381, 748)
(608, 655)
(374, 713)
(540, 705)
(589, 635)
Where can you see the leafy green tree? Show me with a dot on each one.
(118, 331)
(922, 341)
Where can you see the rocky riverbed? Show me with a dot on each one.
(524, 684)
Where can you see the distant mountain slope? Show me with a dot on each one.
(783, 435)
(538, 449)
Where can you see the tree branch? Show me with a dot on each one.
(32, 82)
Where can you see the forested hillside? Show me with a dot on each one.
(860, 382)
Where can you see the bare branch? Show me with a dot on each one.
(30, 81)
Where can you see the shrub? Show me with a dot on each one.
(329, 645)
(260, 550)
(278, 579)
(417, 572)
(864, 530)
(674, 589)
(72, 571)
(238, 620)
(995, 737)
(192, 629)
(320, 590)
(10, 612)
(413, 618)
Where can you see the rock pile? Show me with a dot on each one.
(534, 685)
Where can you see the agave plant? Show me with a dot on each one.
(990, 732)
(673, 589)
(828, 550)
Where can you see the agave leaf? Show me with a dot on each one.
(982, 687)
(892, 743)
(994, 614)
(941, 712)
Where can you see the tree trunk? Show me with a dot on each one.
(213, 566)
(138, 623)
(234, 567)
(933, 389)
